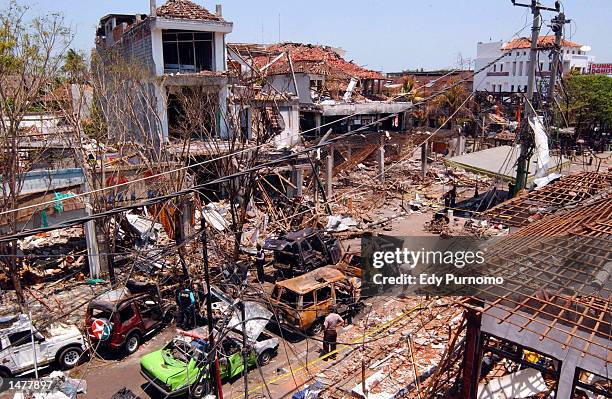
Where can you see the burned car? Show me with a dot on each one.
(301, 251)
(120, 319)
(181, 365)
(302, 303)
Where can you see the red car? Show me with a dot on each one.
(120, 319)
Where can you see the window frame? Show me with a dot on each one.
(196, 38)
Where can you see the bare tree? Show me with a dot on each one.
(31, 55)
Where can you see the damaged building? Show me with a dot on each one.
(331, 90)
(181, 48)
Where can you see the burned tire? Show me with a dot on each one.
(5, 373)
(169, 315)
(315, 328)
(132, 343)
(200, 390)
(69, 357)
(264, 357)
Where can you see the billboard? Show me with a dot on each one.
(601, 69)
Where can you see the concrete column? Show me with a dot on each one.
(381, 161)
(461, 142)
(162, 111)
(424, 159)
(224, 133)
(89, 228)
(329, 172)
(186, 212)
(299, 181)
(472, 356)
(455, 144)
(566, 378)
(102, 251)
(93, 254)
(318, 124)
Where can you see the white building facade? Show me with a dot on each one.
(509, 74)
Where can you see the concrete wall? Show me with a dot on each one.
(284, 83)
(485, 53)
(291, 135)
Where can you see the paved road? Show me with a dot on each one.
(106, 377)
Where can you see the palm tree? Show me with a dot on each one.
(74, 66)
(445, 105)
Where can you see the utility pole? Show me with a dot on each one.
(557, 25)
(245, 349)
(522, 170)
(213, 361)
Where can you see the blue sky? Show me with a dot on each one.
(387, 35)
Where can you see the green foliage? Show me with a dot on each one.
(590, 101)
(449, 102)
(31, 54)
(74, 67)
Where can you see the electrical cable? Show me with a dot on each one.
(412, 105)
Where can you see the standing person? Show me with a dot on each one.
(186, 304)
(200, 300)
(330, 332)
(260, 259)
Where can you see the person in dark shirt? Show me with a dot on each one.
(260, 260)
(187, 305)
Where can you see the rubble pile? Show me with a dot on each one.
(409, 335)
(50, 256)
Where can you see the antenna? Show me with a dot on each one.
(279, 28)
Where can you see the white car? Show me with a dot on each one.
(62, 344)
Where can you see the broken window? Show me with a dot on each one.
(192, 112)
(19, 338)
(290, 298)
(186, 51)
(308, 299)
(589, 385)
(126, 314)
(324, 294)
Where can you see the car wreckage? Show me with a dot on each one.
(126, 316)
(301, 251)
(22, 345)
(302, 303)
(182, 364)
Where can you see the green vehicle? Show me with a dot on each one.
(177, 367)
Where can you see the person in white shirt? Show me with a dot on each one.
(330, 332)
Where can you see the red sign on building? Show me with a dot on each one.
(601, 69)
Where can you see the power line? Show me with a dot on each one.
(226, 178)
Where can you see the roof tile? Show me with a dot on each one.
(543, 41)
(314, 59)
(185, 9)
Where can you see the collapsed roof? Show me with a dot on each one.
(312, 59)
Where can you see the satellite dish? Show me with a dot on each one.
(585, 48)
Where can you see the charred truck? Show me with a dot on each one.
(302, 251)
